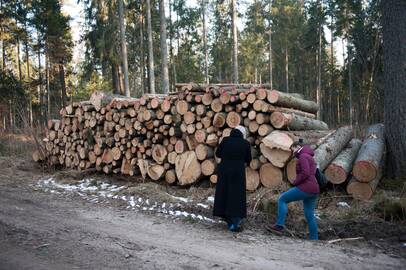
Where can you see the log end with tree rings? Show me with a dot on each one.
(156, 172)
(278, 120)
(335, 174)
(187, 168)
(270, 176)
(208, 167)
(213, 179)
(364, 171)
(200, 135)
(233, 119)
(182, 106)
(252, 179)
(291, 170)
(170, 176)
(273, 96)
(359, 190)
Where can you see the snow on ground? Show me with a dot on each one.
(97, 191)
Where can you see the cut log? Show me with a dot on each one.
(339, 169)
(296, 122)
(213, 179)
(204, 152)
(252, 179)
(367, 163)
(159, 153)
(264, 130)
(286, 100)
(187, 168)
(156, 172)
(182, 106)
(278, 139)
(364, 191)
(271, 176)
(219, 120)
(143, 165)
(101, 99)
(272, 108)
(327, 151)
(208, 167)
(233, 119)
(170, 176)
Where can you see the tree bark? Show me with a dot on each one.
(206, 53)
(291, 101)
(296, 122)
(252, 179)
(394, 35)
(327, 151)
(142, 56)
(164, 48)
(270, 44)
(370, 156)
(151, 69)
(235, 39)
(123, 47)
(271, 176)
(339, 169)
(187, 168)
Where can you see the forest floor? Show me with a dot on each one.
(70, 220)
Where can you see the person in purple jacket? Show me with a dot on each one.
(305, 189)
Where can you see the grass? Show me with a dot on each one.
(16, 145)
(390, 208)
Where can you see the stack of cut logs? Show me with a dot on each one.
(174, 137)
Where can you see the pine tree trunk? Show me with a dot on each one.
(394, 35)
(20, 75)
(123, 48)
(63, 85)
(286, 69)
(270, 44)
(27, 59)
(350, 84)
(235, 40)
(47, 73)
(115, 79)
(206, 54)
(142, 68)
(164, 49)
(319, 98)
(151, 69)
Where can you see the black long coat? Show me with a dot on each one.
(230, 199)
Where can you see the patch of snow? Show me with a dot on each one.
(182, 199)
(210, 199)
(343, 204)
(203, 205)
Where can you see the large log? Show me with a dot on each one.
(296, 122)
(187, 168)
(156, 172)
(101, 99)
(286, 100)
(364, 191)
(208, 167)
(369, 158)
(270, 176)
(159, 153)
(284, 139)
(271, 108)
(252, 179)
(327, 151)
(339, 169)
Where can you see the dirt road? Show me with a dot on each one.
(40, 230)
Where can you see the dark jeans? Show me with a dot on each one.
(309, 204)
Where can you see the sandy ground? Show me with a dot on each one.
(43, 230)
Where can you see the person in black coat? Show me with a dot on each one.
(230, 199)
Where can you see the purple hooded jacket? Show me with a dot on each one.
(306, 171)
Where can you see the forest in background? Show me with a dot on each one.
(38, 76)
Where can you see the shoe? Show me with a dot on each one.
(276, 229)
